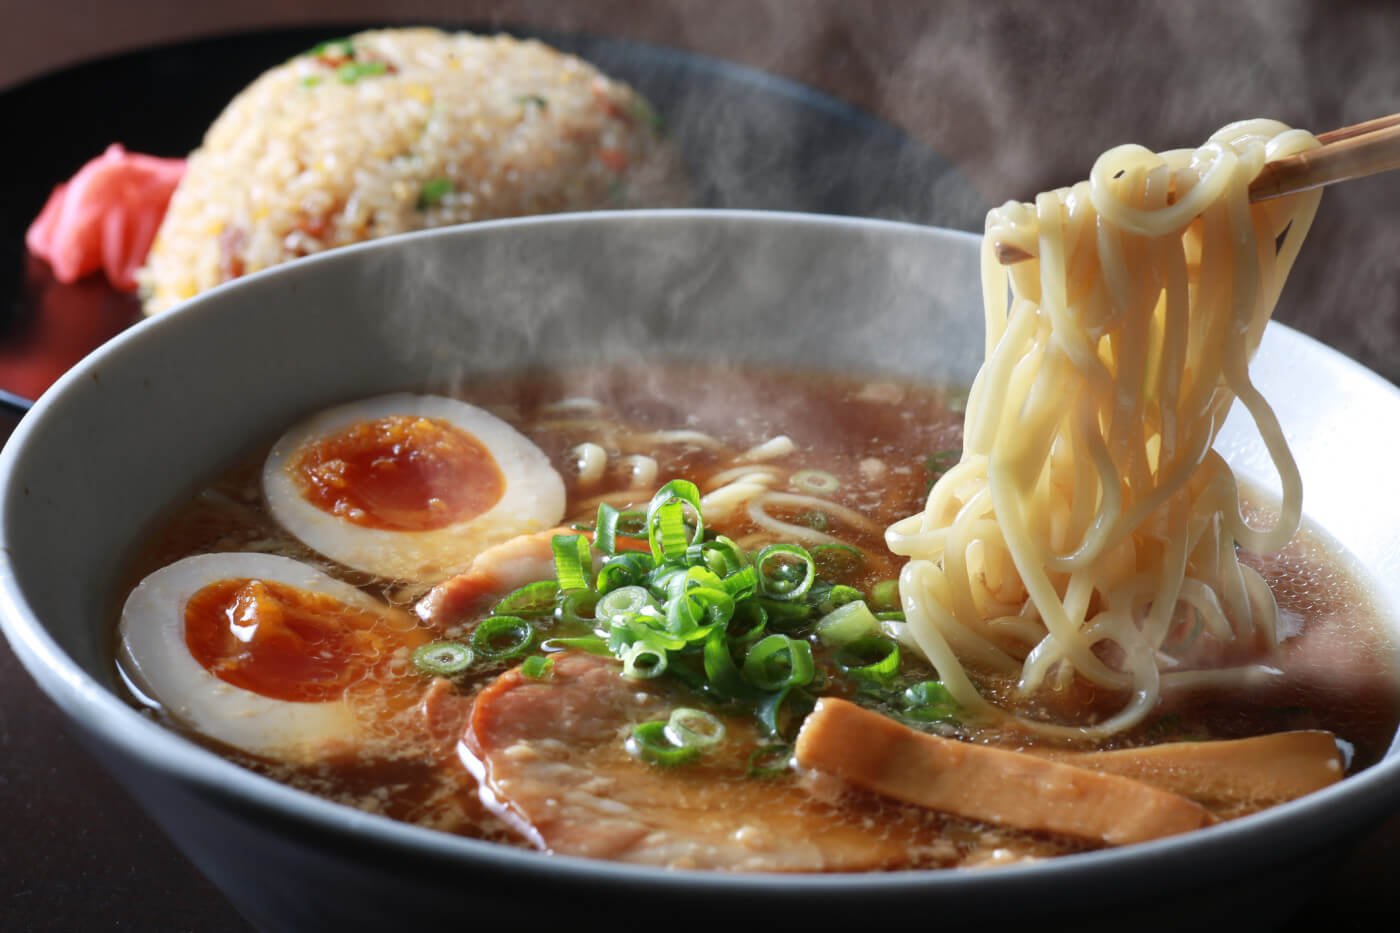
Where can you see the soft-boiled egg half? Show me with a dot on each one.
(410, 487)
(258, 651)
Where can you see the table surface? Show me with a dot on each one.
(1020, 99)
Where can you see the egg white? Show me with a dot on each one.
(533, 498)
(154, 654)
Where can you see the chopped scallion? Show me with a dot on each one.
(642, 661)
(571, 555)
(500, 638)
(873, 657)
(837, 596)
(537, 667)
(530, 601)
(605, 537)
(589, 643)
(650, 743)
(623, 601)
(770, 761)
(623, 570)
(646, 114)
(334, 48)
(669, 542)
(433, 191)
(694, 728)
(929, 701)
(791, 575)
(443, 658)
(352, 71)
(847, 624)
(577, 607)
(815, 482)
(884, 596)
(777, 662)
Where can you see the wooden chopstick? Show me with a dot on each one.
(1354, 156)
(1358, 129)
(1349, 152)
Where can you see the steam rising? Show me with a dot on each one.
(1021, 98)
(586, 289)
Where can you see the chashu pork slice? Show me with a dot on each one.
(551, 758)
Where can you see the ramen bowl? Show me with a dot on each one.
(141, 423)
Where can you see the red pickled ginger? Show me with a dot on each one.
(105, 217)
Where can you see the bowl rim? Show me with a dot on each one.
(1264, 837)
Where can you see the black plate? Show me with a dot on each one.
(750, 139)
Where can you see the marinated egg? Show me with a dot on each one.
(409, 487)
(258, 651)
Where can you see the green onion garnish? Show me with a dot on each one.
(837, 596)
(334, 48)
(644, 112)
(537, 667)
(884, 596)
(815, 482)
(310, 81)
(352, 71)
(770, 712)
(530, 601)
(571, 555)
(624, 601)
(872, 657)
(643, 661)
(725, 679)
(929, 701)
(666, 526)
(500, 638)
(433, 191)
(777, 662)
(623, 570)
(536, 100)
(734, 627)
(443, 658)
(649, 742)
(590, 643)
(577, 608)
(605, 535)
(770, 761)
(694, 728)
(792, 573)
(846, 625)
(786, 616)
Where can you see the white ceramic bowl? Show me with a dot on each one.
(138, 424)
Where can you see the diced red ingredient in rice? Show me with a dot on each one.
(105, 218)
(614, 159)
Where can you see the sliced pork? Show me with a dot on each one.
(551, 758)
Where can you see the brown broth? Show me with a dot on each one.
(877, 439)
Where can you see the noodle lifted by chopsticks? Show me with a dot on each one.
(1089, 528)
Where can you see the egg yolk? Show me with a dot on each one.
(284, 642)
(400, 473)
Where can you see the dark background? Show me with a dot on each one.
(1020, 96)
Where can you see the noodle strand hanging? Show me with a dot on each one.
(1089, 532)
